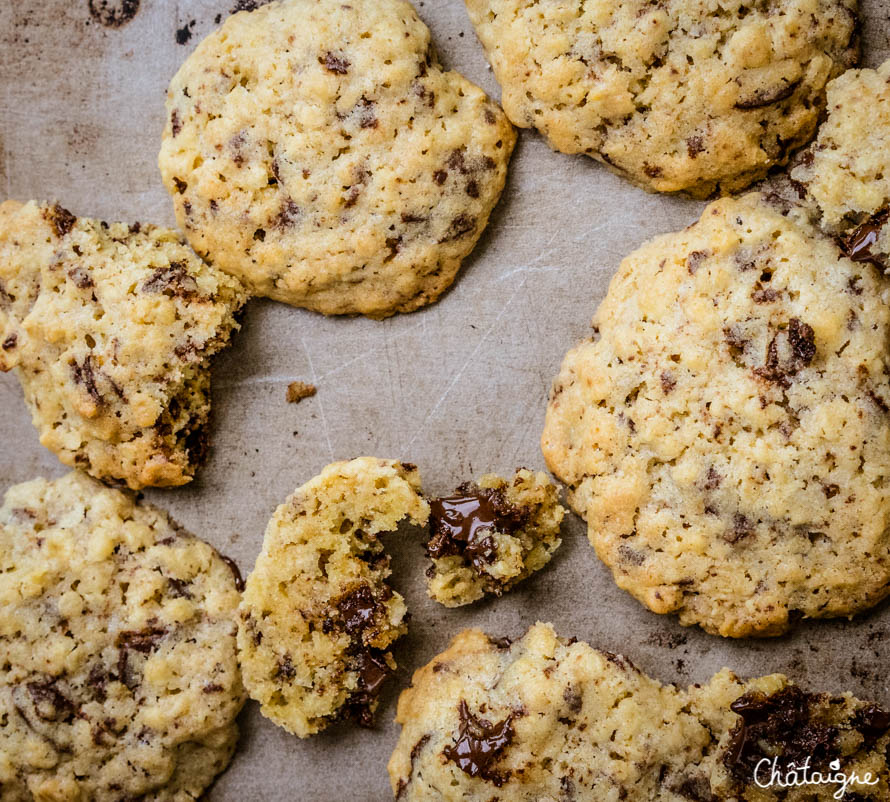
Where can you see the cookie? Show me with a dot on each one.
(491, 534)
(319, 152)
(318, 618)
(546, 718)
(110, 329)
(726, 432)
(119, 678)
(845, 176)
(675, 95)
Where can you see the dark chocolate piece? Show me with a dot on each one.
(479, 745)
(858, 243)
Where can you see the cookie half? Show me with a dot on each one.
(489, 535)
(318, 617)
(110, 329)
(726, 434)
(319, 152)
(548, 718)
(119, 677)
(675, 95)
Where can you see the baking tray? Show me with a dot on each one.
(459, 388)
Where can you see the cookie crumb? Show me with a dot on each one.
(297, 391)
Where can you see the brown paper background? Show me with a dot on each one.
(459, 388)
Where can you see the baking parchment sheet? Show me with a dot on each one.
(459, 388)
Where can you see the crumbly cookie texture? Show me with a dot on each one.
(675, 95)
(110, 329)
(318, 151)
(726, 433)
(119, 677)
(317, 618)
(549, 719)
(845, 176)
(491, 534)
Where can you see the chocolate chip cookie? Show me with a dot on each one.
(546, 718)
(676, 95)
(319, 152)
(844, 177)
(318, 617)
(110, 329)
(491, 534)
(119, 677)
(726, 431)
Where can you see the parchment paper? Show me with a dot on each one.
(459, 388)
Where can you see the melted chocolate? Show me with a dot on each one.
(789, 351)
(781, 723)
(858, 243)
(236, 572)
(373, 671)
(358, 609)
(479, 745)
(462, 524)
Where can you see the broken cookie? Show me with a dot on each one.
(547, 718)
(110, 329)
(317, 618)
(489, 535)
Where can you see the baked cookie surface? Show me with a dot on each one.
(319, 152)
(317, 617)
(119, 677)
(549, 719)
(676, 95)
(845, 174)
(110, 329)
(726, 433)
(489, 535)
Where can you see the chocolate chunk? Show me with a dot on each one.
(713, 480)
(175, 123)
(358, 609)
(462, 524)
(10, 342)
(372, 670)
(858, 243)
(668, 382)
(50, 703)
(763, 295)
(789, 351)
(174, 281)
(499, 643)
(653, 171)
(285, 668)
(179, 588)
(741, 528)
(82, 280)
(768, 96)
(473, 188)
(694, 260)
(366, 116)
(440, 177)
(60, 219)
(113, 13)
(696, 789)
(631, 556)
(694, 146)
(180, 185)
(144, 642)
(872, 722)
(288, 214)
(97, 679)
(479, 745)
(297, 391)
(460, 226)
(183, 35)
(334, 63)
(85, 374)
(457, 161)
(236, 572)
(781, 725)
(573, 699)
